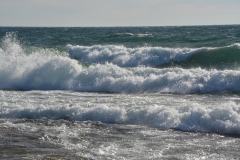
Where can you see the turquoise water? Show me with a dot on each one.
(120, 92)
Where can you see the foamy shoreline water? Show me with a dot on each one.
(120, 93)
(99, 126)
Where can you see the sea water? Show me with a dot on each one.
(120, 93)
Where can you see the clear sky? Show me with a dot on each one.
(118, 12)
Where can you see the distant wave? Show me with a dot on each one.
(131, 34)
(129, 57)
(205, 57)
(227, 57)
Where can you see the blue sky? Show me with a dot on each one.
(118, 12)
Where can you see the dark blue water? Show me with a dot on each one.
(188, 36)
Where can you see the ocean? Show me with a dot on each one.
(120, 92)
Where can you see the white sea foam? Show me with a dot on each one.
(169, 112)
(130, 57)
(46, 72)
(134, 35)
(47, 69)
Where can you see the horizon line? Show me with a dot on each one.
(121, 26)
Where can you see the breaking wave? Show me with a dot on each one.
(50, 69)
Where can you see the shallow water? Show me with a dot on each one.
(91, 140)
(69, 125)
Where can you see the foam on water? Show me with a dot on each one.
(129, 57)
(48, 69)
(43, 68)
(132, 34)
(138, 123)
(157, 112)
(156, 56)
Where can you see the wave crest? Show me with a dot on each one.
(47, 69)
(129, 57)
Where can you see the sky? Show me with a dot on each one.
(86, 13)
